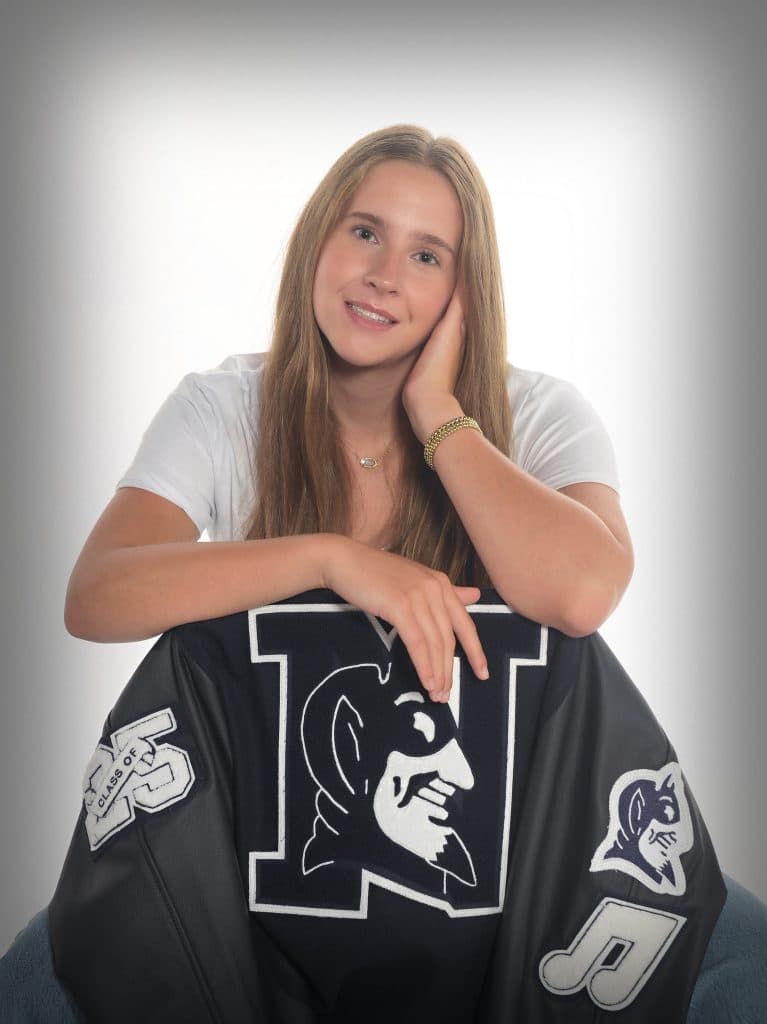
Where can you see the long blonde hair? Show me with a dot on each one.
(303, 482)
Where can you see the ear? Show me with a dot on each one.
(636, 806)
(347, 737)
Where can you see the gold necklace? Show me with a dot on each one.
(370, 461)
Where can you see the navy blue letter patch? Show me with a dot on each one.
(375, 783)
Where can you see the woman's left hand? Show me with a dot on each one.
(428, 393)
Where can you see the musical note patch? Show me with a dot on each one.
(614, 954)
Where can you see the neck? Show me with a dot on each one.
(368, 406)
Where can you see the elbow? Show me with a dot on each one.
(583, 620)
(75, 621)
(595, 600)
(576, 603)
(586, 613)
(79, 620)
(577, 614)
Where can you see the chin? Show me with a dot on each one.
(353, 357)
(345, 360)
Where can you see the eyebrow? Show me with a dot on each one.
(412, 695)
(419, 236)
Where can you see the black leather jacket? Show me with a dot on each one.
(279, 826)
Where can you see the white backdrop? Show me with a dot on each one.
(157, 168)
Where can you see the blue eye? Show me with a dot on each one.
(363, 233)
(430, 261)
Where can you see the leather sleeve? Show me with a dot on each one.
(592, 930)
(149, 921)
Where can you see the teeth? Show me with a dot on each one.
(370, 316)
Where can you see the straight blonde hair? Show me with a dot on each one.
(303, 484)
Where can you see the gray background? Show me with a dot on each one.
(152, 166)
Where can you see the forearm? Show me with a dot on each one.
(131, 593)
(551, 558)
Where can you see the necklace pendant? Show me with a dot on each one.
(368, 462)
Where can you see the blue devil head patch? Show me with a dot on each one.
(650, 828)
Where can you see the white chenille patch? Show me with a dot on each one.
(614, 954)
(134, 771)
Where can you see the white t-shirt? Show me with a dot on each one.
(198, 450)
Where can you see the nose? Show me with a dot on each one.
(454, 768)
(382, 273)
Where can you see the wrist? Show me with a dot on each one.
(443, 433)
(427, 416)
(329, 550)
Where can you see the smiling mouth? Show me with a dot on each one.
(428, 786)
(368, 314)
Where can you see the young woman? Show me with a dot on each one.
(307, 467)
(382, 448)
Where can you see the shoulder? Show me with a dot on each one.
(531, 391)
(538, 399)
(227, 393)
(557, 434)
(235, 377)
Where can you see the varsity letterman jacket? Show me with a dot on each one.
(278, 825)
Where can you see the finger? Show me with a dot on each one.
(468, 637)
(434, 631)
(445, 627)
(417, 647)
(455, 310)
(456, 305)
(422, 640)
(468, 595)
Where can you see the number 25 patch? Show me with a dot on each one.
(134, 771)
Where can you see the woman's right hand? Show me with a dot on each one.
(141, 572)
(425, 608)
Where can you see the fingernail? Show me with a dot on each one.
(483, 673)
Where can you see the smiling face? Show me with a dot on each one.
(413, 799)
(389, 267)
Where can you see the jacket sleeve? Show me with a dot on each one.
(149, 920)
(614, 887)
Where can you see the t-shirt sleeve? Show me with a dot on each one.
(559, 438)
(175, 456)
